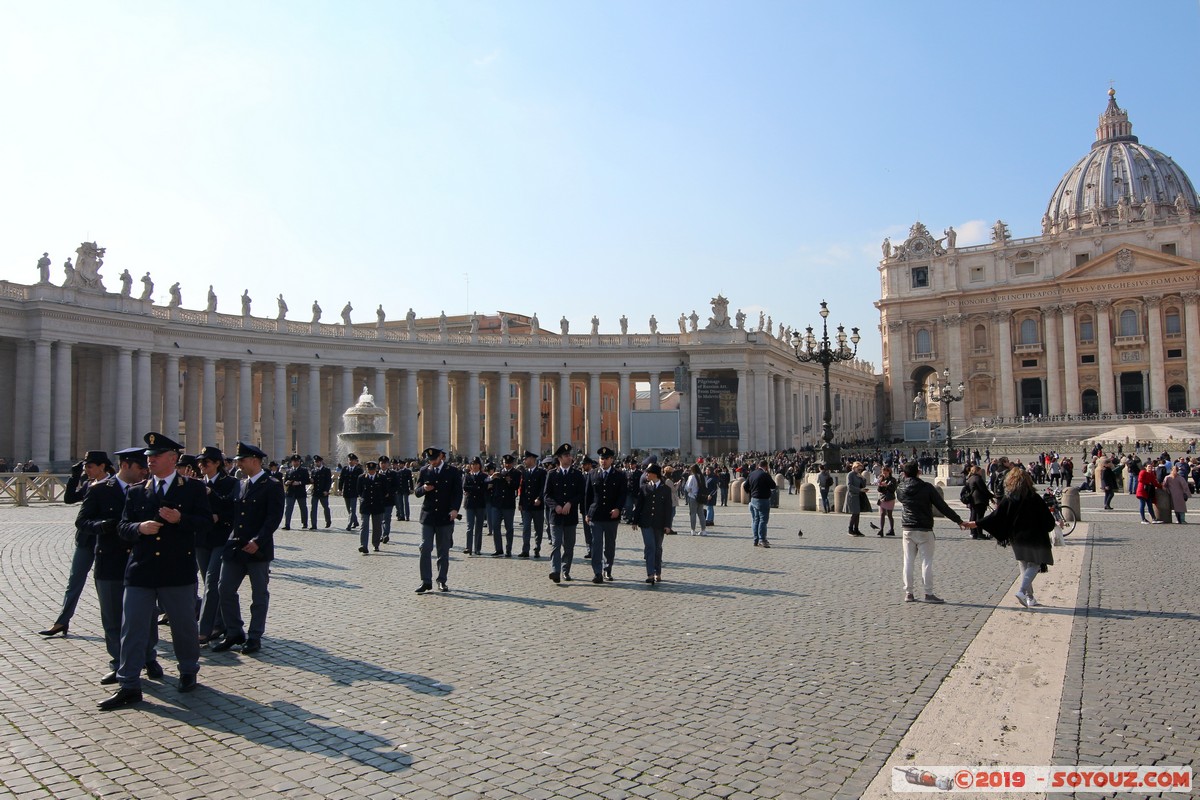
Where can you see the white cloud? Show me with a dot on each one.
(973, 232)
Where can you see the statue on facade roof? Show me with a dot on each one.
(380, 316)
(740, 319)
(316, 311)
(1000, 232)
(768, 328)
(443, 324)
(762, 320)
(474, 323)
(720, 316)
(88, 260)
(503, 324)
(1181, 207)
(410, 321)
(147, 287)
(595, 325)
(1149, 209)
(682, 322)
(43, 266)
(1124, 209)
(212, 299)
(695, 320)
(653, 324)
(126, 284)
(283, 309)
(1047, 224)
(564, 325)
(624, 325)
(176, 296)
(71, 279)
(887, 248)
(346, 309)
(951, 237)
(534, 325)
(246, 303)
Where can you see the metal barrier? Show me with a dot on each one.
(24, 488)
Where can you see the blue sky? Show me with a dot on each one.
(571, 158)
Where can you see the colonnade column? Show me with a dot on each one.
(380, 389)
(170, 389)
(1070, 359)
(1108, 401)
(143, 397)
(441, 410)
(593, 413)
(503, 422)
(1005, 355)
(1154, 338)
(897, 340)
(743, 410)
(1192, 318)
(229, 412)
(208, 429)
(411, 443)
(533, 414)
(281, 391)
(623, 419)
(123, 429)
(955, 362)
(780, 414)
(761, 413)
(1053, 369)
(313, 445)
(471, 446)
(62, 403)
(562, 422)
(39, 446)
(655, 392)
(245, 431)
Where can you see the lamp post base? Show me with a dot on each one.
(831, 456)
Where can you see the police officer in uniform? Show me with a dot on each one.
(652, 508)
(386, 476)
(607, 501)
(505, 484)
(295, 484)
(249, 551)
(441, 487)
(162, 519)
(533, 486)
(585, 466)
(101, 514)
(371, 493)
(402, 479)
(348, 486)
(322, 482)
(222, 490)
(564, 495)
(475, 489)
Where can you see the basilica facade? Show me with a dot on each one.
(1096, 315)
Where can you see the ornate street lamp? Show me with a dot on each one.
(944, 394)
(810, 350)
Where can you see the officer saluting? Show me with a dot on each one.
(564, 495)
(441, 486)
(162, 519)
(249, 551)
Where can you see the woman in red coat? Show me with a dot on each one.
(1147, 486)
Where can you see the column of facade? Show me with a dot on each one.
(954, 361)
(380, 390)
(693, 441)
(170, 389)
(266, 418)
(208, 431)
(1051, 325)
(474, 435)
(229, 411)
(143, 396)
(504, 421)
(901, 403)
(1154, 339)
(106, 366)
(39, 446)
(441, 410)
(1004, 353)
(761, 409)
(655, 391)
(562, 422)
(1108, 400)
(280, 393)
(313, 410)
(623, 420)
(781, 406)
(157, 395)
(411, 443)
(1192, 318)
(245, 430)
(592, 423)
(495, 410)
(532, 438)
(743, 409)
(62, 403)
(123, 412)
(1070, 365)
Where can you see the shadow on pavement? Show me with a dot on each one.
(282, 725)
(339, 669)
(540, 602)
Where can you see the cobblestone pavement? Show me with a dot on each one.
(1130, 695)
(788, 672)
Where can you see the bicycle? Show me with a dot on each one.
(1064, 516)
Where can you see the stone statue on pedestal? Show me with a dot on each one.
(768, 328)
(1181, 208)
(1124, 209)
(694, 318)
(887, 248)
(316, 311)
(740, 319)
(71, 279)
(564, 326)
(176, 296)
(720, 316)
(762, 320)
(1149, 209)
(503, 325)
(283, 309)
(951, 237)
(1047, 223)
(246, 303)
(346, 309)
(534, 325)
(88, 260)
(595, 326)
(443, 325)
(380, 316)
(212, 299)
(682, 322)
(44, 268)
(410, 322)
(126, 284)
(474, 323)
(653, 324)
(147, 287)
(1000, 232)
(624, 325)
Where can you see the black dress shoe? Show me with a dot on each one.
(251, 646)
(650, 580)
(226, 643)
(327, 524)
(442, 587)
(554, 577)
(508, 554)
(608, 574)
(567, 576)
(187, 683)
(598, 579)
(587, 556)
(385, 540)
(423, 588)
(154, 671)
(285, 528)
(765, 543)
(363, 550)
(537, 553)
(498, 554)
(54, 630)
(120, 699)
(109, 679)
(523, 555)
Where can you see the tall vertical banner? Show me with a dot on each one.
(716, 407)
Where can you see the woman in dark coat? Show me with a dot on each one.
(1022, 520)
(981, 497)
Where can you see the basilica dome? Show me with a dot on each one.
(1119, 180)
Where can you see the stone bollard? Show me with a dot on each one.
(1162, 506)
(735, 490)
(808, 497)
(1070, 499)
(839, 498)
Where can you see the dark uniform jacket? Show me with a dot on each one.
(606, 494)
(402, 480)
(222, 493)
(503, 488)
(348, 480)
(388, 476)
(652, 506)
(98, 518)
(257, 512)
(445, 497)
(564, 488)
(533, 486)
(373, 493)
(295, 482)
(167, 558)
(322, 481)
(475, 490)
(77, 486)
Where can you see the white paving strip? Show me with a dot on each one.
(1000, 703)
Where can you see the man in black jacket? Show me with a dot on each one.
(295, 485)
(372, 493)
(223, 490)
(564, 495)
(402, 483)
(606, 502)
(322, 483)
(533, 515)
(440, 486)
(919, 499)
(348, 486)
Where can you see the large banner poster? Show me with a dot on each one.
(716, 408)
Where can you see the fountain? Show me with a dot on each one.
(364, 430)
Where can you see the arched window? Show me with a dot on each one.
(1128, 323)
(1091, 403)
(1176, 398)
(1029, 332)
(924, 342)
(1087, 330)
(1173, 326)
(979, 338)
